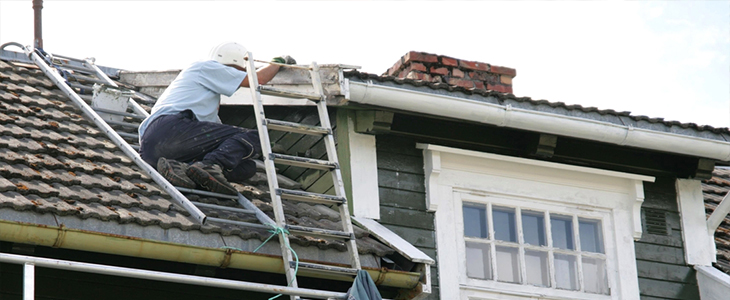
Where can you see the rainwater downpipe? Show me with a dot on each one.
(508, 116)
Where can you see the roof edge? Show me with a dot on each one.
(76, 239)
(512, 117)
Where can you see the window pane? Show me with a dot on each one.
(562, 230)
(504, 224)
(533, 228)
(537, 267)
(594, 276)
(508, 269)
(478, 263)
(475, 220)
(591, 237)
(566, 272)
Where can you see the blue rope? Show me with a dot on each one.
(279, 230)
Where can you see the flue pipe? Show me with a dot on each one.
(37, 18)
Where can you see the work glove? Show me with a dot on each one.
(284, 59)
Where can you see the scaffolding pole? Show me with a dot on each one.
(31, 262)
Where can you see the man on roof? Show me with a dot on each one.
(184, 138)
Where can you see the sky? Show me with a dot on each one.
(668, 59)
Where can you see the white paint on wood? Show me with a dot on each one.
(393, 240)
(364, 174)
(448, 247)
(432, 166)
(699, 244)
(533, 162)
(29, 281)
(713, 284)
(638, 201)
(719, 214)
(613, 197)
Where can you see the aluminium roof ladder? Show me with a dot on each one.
(70, 74)
(331, 164)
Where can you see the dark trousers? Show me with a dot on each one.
(183, 138)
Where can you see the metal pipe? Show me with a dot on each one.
(29, 261)
(526, 119)
(28, 281)
(38, 24)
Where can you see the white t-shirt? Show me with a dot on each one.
(197, 88)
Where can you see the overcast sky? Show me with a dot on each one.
(661, 59)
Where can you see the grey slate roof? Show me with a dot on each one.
(54, 162)
(713, 190)
(624, 118)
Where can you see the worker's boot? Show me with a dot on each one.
(210, 176)
(175, 172)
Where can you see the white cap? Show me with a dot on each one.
(229, 53)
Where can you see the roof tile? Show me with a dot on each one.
(34, 187)
(6, 185)
(15, 201)
(53, 160)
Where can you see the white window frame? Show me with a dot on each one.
(454, 176)
(464, 196)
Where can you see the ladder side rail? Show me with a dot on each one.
(138, 108)
(270, 169)
(100, 74)
(263, 218)
(177, 197)
(339, 185)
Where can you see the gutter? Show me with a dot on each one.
(75, 239)
(508, 116)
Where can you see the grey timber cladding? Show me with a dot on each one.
(662, 269)
(401, 187)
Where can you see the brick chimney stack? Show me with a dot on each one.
(464, 73)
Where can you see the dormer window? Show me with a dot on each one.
(541, 248)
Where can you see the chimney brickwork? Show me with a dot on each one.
(463, 73)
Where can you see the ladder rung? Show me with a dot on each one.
(76, 68)
(324, 268)
(296, 127)
(310, 197)
(206, 193)
(128, 135)
(237, 223)
(303, 162)
(80, 86)
(118, 113)
(80, 77)
(125, 124)
(320, 232)
(228, 208)
(268, 90)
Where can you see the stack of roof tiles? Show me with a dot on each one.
(54, 161)
(714, 190)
